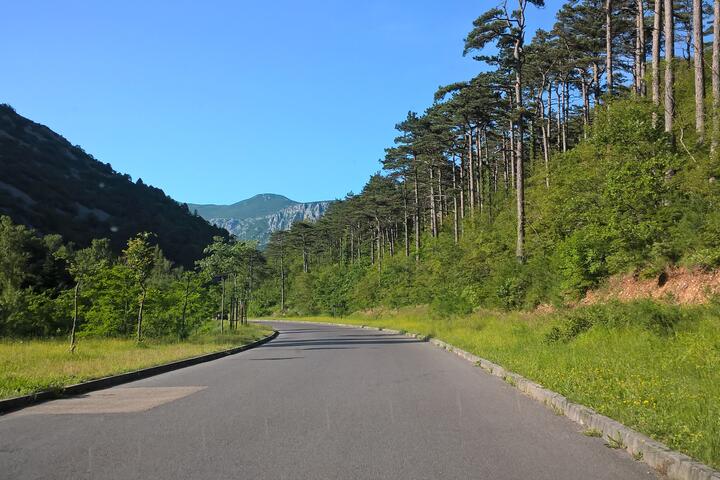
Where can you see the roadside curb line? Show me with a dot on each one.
(16, 403)
(673, 464)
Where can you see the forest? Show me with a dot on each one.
(50, 288)
(586, 151)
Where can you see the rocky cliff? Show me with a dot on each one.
(257, 217)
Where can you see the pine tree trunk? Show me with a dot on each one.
(471, 173)
(406, 220)
(596, 82)
(657, 25)
(462, 185)
(506, 169)
(559, 127)
(608, 46)
(699, 76)
(511, 152)
(716, 77)
(543, 127)
(519, 168)
(563, 107)
(639, 48)
(433, 213)
(669, 54)
(417, 218)
(480, 179)
(456, 218)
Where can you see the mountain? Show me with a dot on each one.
(55, 187)
(257, 217)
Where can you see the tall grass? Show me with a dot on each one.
(655, 368)
(28, 366)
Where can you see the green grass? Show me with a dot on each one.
(653, 368)
(28, 366)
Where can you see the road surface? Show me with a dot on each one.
(318, 402)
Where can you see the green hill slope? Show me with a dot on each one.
(55, 187)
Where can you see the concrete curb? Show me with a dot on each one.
(675, 465)
(16, 403)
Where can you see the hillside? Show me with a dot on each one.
(257, 217)
(55, 187)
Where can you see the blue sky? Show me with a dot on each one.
(215, 101)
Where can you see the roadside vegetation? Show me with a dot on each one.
(571, 159)
(655, 368)
(33, 365)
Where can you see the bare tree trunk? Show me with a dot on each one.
(75, 318)
(549, 112)
(558, 142)
(471, 173)
(282, 274)
(222, 305)
(441, 197)
(479, 170)
(140, 313)
(716, 77)
(608, 46)
(640, 49)
(511, 152)
(596, 83)
(563, 106)
(699, 76)
(506, 170)
(585, 102)
(433, 213)
(519, 169)
(545, 142)
(669, 53)
(417, 219)
(182, 332)
(657, 25)
(456, 218)
(462, 185)
(406, 231)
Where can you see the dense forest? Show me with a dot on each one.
(587, 151)
(51, 288)
(57, 188)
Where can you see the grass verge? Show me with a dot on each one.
(28, 366)
(655, 368)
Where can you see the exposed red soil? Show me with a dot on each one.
(678, 285)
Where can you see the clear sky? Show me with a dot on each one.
(215, 101)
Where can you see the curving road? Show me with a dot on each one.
(318, 402)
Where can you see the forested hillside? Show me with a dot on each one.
(57, 188)
(570, 158)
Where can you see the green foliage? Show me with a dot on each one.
(38, 276)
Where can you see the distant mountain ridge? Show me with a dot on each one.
(257, 217)
(55, 187)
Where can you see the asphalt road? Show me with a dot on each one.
(318, 402)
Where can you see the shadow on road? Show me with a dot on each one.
(339, 342)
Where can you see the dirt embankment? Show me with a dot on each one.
(679, 285)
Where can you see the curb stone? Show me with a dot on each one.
(17, 403)
(673, 464)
